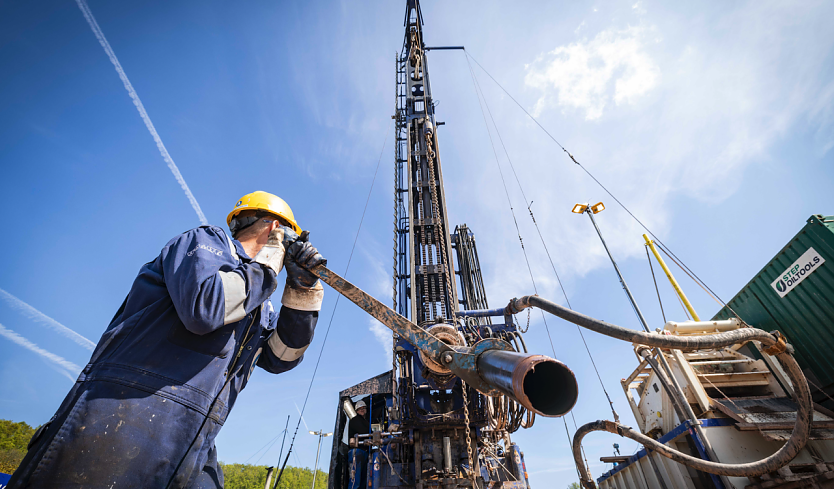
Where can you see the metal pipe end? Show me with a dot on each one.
(545, 385)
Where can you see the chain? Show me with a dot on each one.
(468, 434)
(397, 178)
(435, 215)
(426, 291)
(440, 241)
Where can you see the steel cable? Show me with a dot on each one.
(799, 437)
(332, 315)
(656, 239)
(662, 312)
(541, 237)
(802, 427)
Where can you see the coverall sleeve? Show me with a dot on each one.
(210, 288)
(292, 333)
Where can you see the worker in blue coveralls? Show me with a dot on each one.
(145, 411)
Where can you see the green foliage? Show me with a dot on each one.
(244, 476)
(9, 459)
(13, 440)
(574, 485)
(15, 435)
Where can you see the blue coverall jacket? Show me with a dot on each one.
(145, 411)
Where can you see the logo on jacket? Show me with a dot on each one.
(207, 248)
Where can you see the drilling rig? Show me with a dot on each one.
(436, 421)
(462, 381)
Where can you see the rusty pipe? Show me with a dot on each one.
(541, 384)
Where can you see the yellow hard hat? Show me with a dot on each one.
(265, 201)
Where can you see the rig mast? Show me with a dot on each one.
(425, 290)
(429, 428)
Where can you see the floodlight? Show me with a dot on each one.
(598, 207)
(579, 208)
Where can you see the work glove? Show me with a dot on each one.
(290, 236)
(300, 257)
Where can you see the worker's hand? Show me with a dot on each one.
(300, 257)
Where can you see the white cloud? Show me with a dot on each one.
(383, 336)
(730, 93)
(588, 75)
(822, 115)
(380, 287)
(639, 8)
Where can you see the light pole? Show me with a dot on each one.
(596, 209)
(321, 434)
(683, 408)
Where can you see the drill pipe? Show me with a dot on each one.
(541, 384)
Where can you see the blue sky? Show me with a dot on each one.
(714, 123)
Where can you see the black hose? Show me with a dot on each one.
(798, 439)
(802, 397)
(685, 343)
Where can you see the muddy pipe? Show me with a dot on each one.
(541, 384)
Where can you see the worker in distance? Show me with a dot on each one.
(358, 457)
(145, 411)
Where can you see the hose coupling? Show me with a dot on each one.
(517, 305)
(779, 347)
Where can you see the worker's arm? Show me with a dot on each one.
(292, 333)
(293, 327)
(208, 286)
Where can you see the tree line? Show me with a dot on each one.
(14, 437)
(245, 476)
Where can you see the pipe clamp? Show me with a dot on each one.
(779, 347)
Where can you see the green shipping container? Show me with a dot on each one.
(794, 294)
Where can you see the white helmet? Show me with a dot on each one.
(360, 404)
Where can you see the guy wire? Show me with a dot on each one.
(541, 237)
(509, 201)
(479, 94)
(656, 239)
(655, 284)
(333, 313)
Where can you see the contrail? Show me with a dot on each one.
(40, 317)
(70, 369)
(302, 417)
(82, 4)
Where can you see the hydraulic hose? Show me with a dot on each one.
(798, 439)
(788, 451)
(685, 343)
